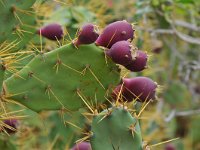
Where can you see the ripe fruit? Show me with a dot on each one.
(116, 92)
(120, 52)
(86, 35)
(12, 123)
(52, 31)
(139, 63)
(82, 146)
(114, 32)
(170, 147)
(140, 88)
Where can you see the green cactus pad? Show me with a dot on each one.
(17, 21)
(67, 133)
(115, 129)
(65, 77)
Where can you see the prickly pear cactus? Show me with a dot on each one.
(115, 128)
(64, 78)
(17, 21)
(74, 76)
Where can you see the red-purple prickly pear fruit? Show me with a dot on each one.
(87, 35)
(142, 89)
(114, 32)
(116, 92)
(120, 53)
(82, 146)
(138, 63)
(52, 31)
(12, 123)
(170, 147)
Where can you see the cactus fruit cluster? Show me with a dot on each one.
(78, 75)
(82, 75)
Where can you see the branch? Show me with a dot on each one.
(186, 25)
(188, 113)
(187, 38)
(174, 113)
(182, 36)
(156, 31)
(170, 116)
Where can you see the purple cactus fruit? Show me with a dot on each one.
(114, 32)
(170, 147)
(87, 35)
(120, 53)
(139, 63)
(52, 31)
(140, 88)
(116, 91)
(82, 146)
(12, 123)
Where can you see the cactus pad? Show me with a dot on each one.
(64, 78)
(115, 129)
(17, 21)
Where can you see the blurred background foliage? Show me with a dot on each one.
(169, 30)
